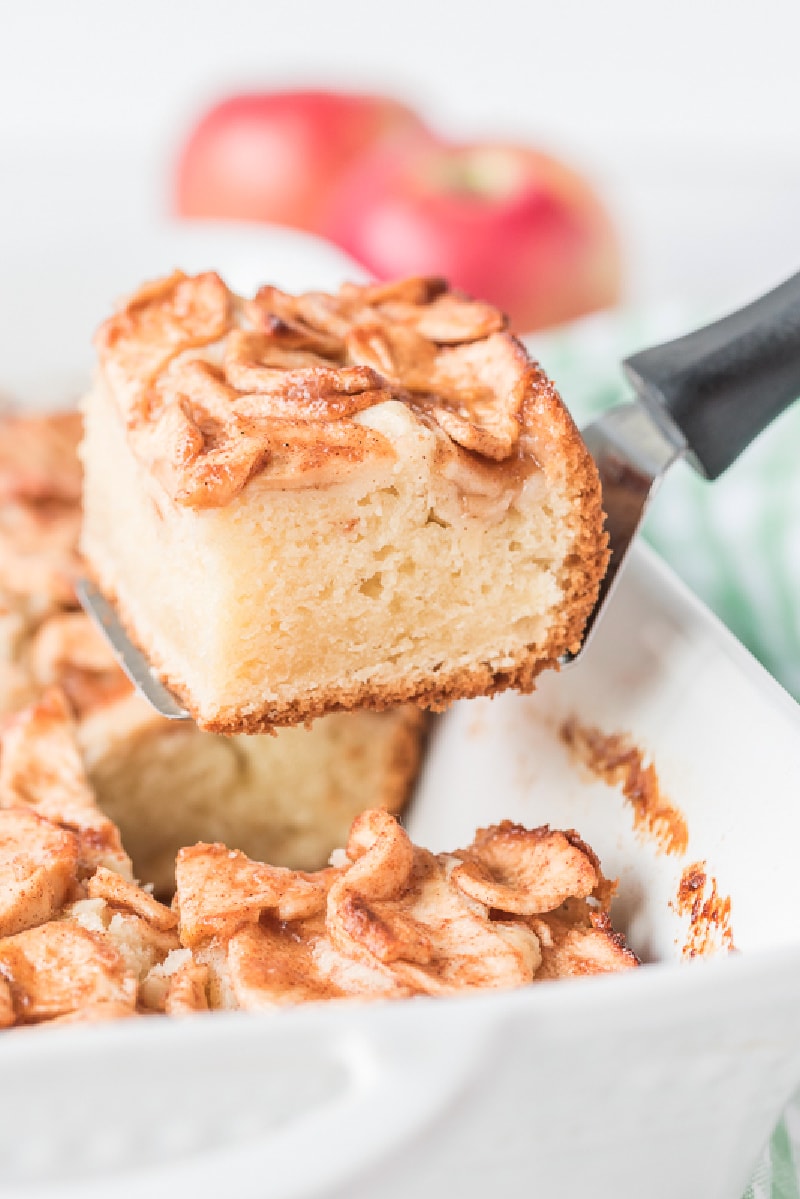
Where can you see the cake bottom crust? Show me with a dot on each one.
(434, 692)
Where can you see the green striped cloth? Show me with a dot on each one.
(736, 543)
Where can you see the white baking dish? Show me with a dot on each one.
(660, 1083)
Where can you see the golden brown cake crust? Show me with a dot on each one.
(468, 683)
(276, 387)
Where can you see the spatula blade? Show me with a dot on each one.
(632, 453)
(129, 656)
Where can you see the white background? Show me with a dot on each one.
(687, 114)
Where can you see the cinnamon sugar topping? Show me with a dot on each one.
(393, 919)
(151, 327)
(525, 870)
(214, 389)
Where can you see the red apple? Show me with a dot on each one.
(504, 223)
(275, 156)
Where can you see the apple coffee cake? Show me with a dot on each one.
(80, 939)
(302, 504)
(289, 798)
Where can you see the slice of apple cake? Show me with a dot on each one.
(308, 503)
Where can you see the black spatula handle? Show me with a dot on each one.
(724, 384)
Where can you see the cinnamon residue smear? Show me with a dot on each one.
(613, 758)
(709, 913)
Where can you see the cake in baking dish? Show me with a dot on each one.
(392, 920)
(308, 503)
(288, 799)
(78, 936)
(40, 488)
(80, 939)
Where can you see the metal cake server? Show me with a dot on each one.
(127, 652)
(703, 397)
